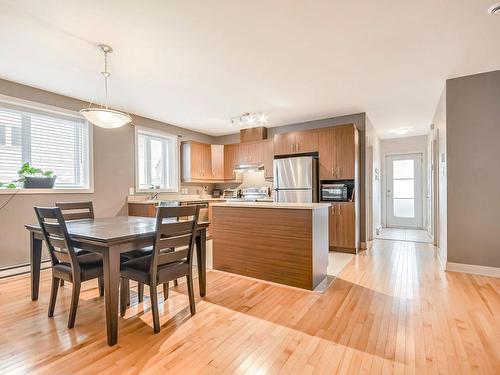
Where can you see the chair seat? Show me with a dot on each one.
(138, 270)
(139, 253)
(90, 266)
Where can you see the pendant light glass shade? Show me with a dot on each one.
(103, 116)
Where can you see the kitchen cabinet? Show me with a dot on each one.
(295, 142)
(196, 161)
(268, 157)
(217, 153)
(343, 235)
(338, 153)
(231, 152)
(259, 152)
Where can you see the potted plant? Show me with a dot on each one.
(35, 178)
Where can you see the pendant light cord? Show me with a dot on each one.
(106, 75)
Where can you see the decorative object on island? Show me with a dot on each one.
(103, 116)
(32, 178)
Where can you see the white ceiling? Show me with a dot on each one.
(197, 63)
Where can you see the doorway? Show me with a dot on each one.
(404, 191)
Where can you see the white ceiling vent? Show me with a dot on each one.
(494, 9)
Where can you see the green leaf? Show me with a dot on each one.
(48, 173)
(11, 186)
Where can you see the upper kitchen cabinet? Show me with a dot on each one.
(197, 162)
(295, 142)
(231, 152)
(284, 143)
(338, 153)
(217, 162)
(268, 157)
(258, 152)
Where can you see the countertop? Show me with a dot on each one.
(292, 206)
(188, 198)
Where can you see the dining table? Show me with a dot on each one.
(111, 236)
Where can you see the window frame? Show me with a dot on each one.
(162, 134)
(27, 105)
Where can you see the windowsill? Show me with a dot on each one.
(45, 191)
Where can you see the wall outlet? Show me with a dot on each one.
(131, 191)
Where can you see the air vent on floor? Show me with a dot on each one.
(494, 9)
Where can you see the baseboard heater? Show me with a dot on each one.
(21, 269)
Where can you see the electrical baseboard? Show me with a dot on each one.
(473, 269)
(20, 269)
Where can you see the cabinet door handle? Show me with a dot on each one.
(291, 147)
(297, 147)
(333, 208)
(340, 209)
(340, 172)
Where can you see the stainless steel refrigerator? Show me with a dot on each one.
(296, 179)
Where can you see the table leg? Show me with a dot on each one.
(201, 254)
(36, 261)
(111, 266)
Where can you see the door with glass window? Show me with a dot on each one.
(404, 190)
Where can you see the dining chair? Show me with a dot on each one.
(85, 210)
(68, 263)
(171, 259)
(76, 211)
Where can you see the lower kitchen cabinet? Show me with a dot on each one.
(343, 233)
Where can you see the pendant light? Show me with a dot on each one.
(103, 116)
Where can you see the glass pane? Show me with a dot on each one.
(404, 208)
(156, 163)
(402, 169)
(404, 189)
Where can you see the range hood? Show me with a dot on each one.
(240, 170)
(249, 167)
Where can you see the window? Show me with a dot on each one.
(47, 140)
(157, 161)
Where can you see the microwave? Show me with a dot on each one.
(336, 192)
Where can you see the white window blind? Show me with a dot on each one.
(47, 140)
(157, 161)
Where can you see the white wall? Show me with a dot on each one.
(403, 145)
(373, 180)
(439, 134)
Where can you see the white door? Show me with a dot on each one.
(404, 190)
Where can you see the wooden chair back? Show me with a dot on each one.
(56, 236)
(175, 235)
(76, 210)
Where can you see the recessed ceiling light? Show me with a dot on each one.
(494, 9)
(400, 131)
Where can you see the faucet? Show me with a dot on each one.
(153, 196)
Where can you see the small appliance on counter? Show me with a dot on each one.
(231, 193)
(337, 191)
(216, 193)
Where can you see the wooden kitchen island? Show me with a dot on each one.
(285, 243)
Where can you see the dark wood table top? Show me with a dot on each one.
(111, 229)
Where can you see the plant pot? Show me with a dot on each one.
(39, 182)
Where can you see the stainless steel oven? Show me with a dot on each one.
(337, 192)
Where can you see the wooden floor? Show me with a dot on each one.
(390, 311)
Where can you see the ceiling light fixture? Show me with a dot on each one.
(494, 9)
(248, 120)
(103, 116)
(400, 131)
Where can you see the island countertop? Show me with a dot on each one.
(293, 206)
